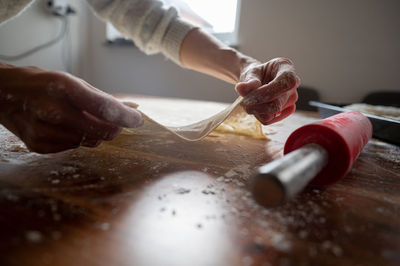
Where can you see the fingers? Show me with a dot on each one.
(131, 104)
(41, 137)
(264, 118)
(108, 109)
(267, 119)
(293, 97)
(74, 130)
(244, 88)
(97, 103)
(250, 80)
(266, 112)
(269, 89)
(273, 107)
(284, 82)
(56, 112)
(94, 127)
(285, 113)
(67, 116)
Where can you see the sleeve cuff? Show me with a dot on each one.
(173, 38)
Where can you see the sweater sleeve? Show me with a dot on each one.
(152, 27)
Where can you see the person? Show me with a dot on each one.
(54, 111)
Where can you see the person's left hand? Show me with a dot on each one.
(269, 90)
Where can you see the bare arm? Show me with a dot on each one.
(204, 53)
(269, 89)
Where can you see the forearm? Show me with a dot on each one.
(204, 53)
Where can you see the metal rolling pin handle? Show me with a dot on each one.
(280, 180)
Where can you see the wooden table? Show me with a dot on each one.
(155, 200)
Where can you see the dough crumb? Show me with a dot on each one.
(182, 190)
(34, 236)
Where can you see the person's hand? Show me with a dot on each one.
(54, 111)
(269, 89)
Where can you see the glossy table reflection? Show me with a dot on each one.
(151, 199)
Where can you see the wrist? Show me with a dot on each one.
(231, 63)
(246, 62)
(204, 53)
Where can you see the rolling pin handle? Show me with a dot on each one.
(282, 179)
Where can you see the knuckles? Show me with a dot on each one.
(289, 79)
(275, 106)
(266, 109)
(264, 118)
(51, 114)
(282, 61)
(53, 82)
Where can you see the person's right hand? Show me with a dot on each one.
(54, 111)
(269, 89)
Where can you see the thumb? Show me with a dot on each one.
(104, 106)
(115, 112)
(131, 104)
(245, 87)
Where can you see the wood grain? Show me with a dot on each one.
(152, 199)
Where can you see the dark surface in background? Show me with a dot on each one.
(388, 98)
(384, 128)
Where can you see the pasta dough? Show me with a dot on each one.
(194, 120)
(379, 110)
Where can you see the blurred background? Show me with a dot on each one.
(343, 49)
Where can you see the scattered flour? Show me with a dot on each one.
(102, 226)
(181, 190)
(34, 236)
(208, 192)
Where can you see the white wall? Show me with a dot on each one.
(36, 26)
(344, 48)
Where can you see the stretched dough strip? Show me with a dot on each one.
(232, 119)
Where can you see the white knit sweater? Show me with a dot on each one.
(153, 28)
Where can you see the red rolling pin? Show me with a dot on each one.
(320, 153)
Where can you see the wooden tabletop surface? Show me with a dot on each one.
(152, 199)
